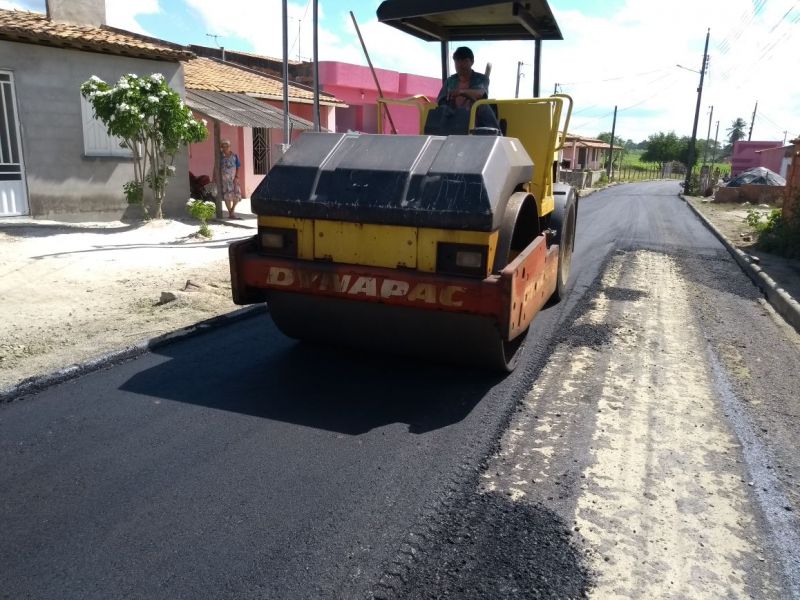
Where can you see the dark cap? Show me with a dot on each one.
(463, 52)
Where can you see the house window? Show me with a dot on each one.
(260, 151)
(96, 141)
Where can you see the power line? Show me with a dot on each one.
(612, 78)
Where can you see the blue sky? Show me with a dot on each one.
(615, 52)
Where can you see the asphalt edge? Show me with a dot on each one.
(37, 383)
(786, 306)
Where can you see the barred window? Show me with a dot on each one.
(260, 151)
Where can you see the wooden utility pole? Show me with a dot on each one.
(217, 174)
(693, 140)
(714, 147)
(753, 120)
(791, 203)
(708, 135)
(610, 167)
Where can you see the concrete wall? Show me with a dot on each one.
(754, 194)
(62, 182)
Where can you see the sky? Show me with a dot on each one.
(623, 53)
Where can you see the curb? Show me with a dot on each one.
(38, 383)
(786, 306)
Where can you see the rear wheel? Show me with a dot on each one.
(563, 221)
(520, 227)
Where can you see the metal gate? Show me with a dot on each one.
(13, 195)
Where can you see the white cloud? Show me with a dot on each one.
(123, 13)
(625, 58)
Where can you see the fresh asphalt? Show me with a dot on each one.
(240, 464)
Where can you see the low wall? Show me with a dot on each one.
(754, 194)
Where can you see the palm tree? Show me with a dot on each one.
(736, 130)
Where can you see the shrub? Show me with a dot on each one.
(153, 123)
(203, 210)
(776, 234)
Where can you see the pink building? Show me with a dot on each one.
(746, 155)
(247, 107)
(355, 86)
(776, 159)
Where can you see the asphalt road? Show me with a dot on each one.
(239, 464)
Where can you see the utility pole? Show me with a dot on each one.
(708, 135)
(610, 167)
(519, 74)
(315, 59)
(714, 147)
(750, 133)
(285, 27)
(693, 140)
(784, 137)
(555, 88)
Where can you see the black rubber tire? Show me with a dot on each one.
(433, 335)
(563, 221)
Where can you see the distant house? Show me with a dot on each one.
(245, 106)
(584, 153)
(57, 161)
(746, 155)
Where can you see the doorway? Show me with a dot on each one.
(13, 192)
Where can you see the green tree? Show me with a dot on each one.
(736, 130)
(152, 121)
(662, 148)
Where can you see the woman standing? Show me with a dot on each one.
(229, 172)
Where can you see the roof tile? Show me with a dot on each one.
(36, 28)
(214, 76)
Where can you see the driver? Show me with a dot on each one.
(465, 86)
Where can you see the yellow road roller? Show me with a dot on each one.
(444, 244)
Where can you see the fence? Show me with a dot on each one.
(637, 174)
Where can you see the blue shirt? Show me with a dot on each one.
(477, 81)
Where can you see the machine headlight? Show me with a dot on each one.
(281, 242)
(462, 259)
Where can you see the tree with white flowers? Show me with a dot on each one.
(153, 122)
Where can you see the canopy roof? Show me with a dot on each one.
(240, 110)
(470, 20)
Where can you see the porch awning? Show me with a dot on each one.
(240, 110)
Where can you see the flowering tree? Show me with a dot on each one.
(152, 121)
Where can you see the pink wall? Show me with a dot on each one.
(745, 155)
(355, 85)
(773, 159)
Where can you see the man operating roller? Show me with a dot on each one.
(462, 89)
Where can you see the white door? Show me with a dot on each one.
(13, 195)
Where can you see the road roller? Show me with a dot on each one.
(443, 244)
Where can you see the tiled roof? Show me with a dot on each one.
(214, 76)
(587, 141)
(36, 28)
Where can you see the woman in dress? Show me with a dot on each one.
(229, 172)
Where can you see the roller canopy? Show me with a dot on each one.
(468, 20)
(455, 182)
